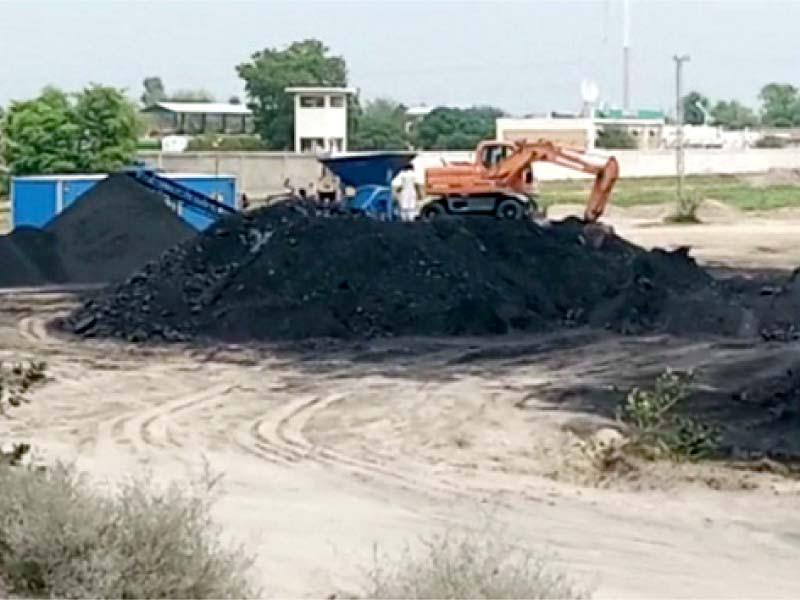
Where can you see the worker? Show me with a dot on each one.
(408, 193)
(326, 187)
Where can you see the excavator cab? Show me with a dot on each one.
(491, 153)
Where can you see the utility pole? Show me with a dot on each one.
(679, 164)
(626, 55)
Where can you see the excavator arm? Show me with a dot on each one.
(543, 151)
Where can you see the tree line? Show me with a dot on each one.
(97, 128)
(780, 107)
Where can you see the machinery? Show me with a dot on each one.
(178, 194)
(371, 175)
(500, 182)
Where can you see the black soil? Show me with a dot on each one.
(286, 273)
(112, 230)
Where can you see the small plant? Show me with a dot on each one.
(655, 431)
(16, 381)
(687, 204)
(468, 566)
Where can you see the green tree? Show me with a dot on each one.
(615, 138)
(94, 130)
(780, 105)
(457, 128)
(381, 126)
(692, 114)
(40, 135)
(109, 128)
(153, 91)
(271, 70)
(733, 115)
(191, 96)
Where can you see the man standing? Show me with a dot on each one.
(408, 193)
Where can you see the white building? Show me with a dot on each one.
(320, 118)
(575, 133)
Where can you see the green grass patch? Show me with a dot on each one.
(637, 192)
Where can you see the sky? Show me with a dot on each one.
(524, 56)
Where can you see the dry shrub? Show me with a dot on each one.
(468, 566)
(59, 537)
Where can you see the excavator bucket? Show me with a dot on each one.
(603, 184)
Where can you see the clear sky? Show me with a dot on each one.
(524, 56)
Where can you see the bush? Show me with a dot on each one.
(771, 141)
(61, 538)
(468, 566)
(148, 144)
(655, 431)
(226, 143)
(5, 183)
(616, 138)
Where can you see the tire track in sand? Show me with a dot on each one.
(283, 431)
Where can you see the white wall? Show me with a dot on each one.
(261, 173)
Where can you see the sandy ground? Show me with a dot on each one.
(326, 451)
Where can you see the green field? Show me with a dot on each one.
(729, 189)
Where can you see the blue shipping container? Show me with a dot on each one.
(36, 199)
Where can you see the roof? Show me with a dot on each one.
(319, 90)
(628, 121)
(99, 176)
(209, 108)
(618, 113)
(419, 111)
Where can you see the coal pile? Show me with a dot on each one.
(28, 257)
(105, 235)
(287, 273)
(113, 229)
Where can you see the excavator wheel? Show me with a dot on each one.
(510, 208)
(434, 210)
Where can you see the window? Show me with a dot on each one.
(337, 101)
(335, 144)
(311, 144)
(312, 101)
(493, 155)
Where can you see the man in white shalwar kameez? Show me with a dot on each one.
(408, 194)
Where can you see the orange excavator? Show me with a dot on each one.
(500, 182)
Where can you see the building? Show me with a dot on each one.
(572, 132)
(320, 118)
(415, 114)
(644, 126)
(197, 118)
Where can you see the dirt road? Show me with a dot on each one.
(328, 450)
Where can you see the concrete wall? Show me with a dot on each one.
(262, 173)
(258, 174)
